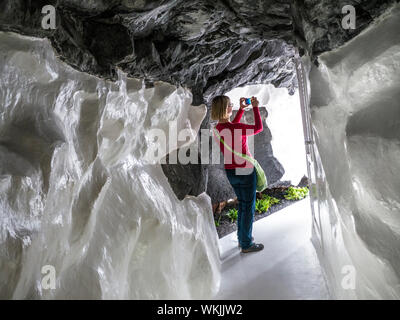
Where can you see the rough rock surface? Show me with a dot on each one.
(355, 186)
(186, 179)
(218, 186)
(207, 46)
(78, 193)
(317, 24)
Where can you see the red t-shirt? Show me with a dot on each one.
(237, 133)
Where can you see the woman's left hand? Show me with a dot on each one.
(254, 102)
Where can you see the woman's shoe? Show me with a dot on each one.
(253, 248)
(252, 239)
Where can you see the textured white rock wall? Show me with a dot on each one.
(285, 124)
(355, 94)
(78, 193)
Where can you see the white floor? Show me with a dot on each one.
(287, 268)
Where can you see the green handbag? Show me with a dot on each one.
(262, 182)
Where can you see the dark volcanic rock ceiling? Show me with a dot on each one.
(317, 24)
(208, 46)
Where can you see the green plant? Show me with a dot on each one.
(294, 193)
(232, 214)
(263, 204)
(217, 221)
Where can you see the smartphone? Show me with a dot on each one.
(248, 101)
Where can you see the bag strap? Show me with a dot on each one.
(244, 156)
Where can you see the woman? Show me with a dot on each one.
(241, 173)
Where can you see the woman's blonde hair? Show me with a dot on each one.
(219, 107)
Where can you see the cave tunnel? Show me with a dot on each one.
(100, 102)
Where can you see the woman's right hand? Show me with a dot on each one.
(254, 102)
(243, 103)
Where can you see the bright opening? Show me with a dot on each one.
(285, 123)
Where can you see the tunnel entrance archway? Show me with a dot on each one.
(279, 148)
(304, 135)
(281, 140)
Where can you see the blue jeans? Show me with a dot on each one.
(245, 189)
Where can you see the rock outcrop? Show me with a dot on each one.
(80, 192)
(77, 194)
(355, 184)
(207, 46)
